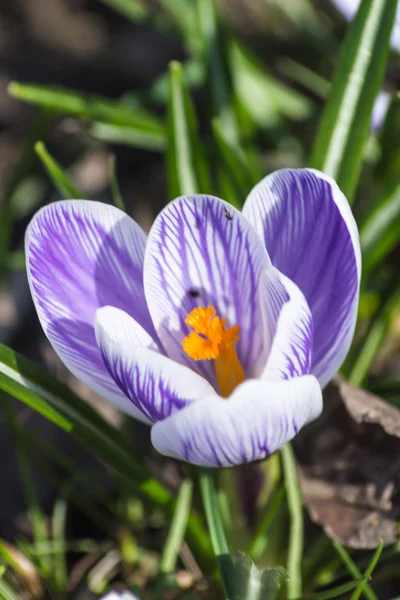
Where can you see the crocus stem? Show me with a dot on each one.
(217, 533)
(295, 550)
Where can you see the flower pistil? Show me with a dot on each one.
(210, 340)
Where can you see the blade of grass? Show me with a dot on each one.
(115, 191)
(215, 54)
(32, 385)
(368, 572)
(131, 9)
(177, 528)
(354, 570)
(295, 551)
(186, 165)
(58, 522)
(217, 533)
(84, 106)
(62, 182)
(345, 125)
(260, 540)
(380, 231)
(128, 136)
(337, 592)
(234, 159)
(357, 371)
(34, 510)
(6, 591)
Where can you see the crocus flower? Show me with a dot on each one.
(220, 328)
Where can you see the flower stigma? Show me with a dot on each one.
(211, 341)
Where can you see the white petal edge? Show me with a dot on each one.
(292, 336)
(256, 420)
(84, 361)
(332, 359)
(156, 385)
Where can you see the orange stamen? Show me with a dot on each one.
(211, 341)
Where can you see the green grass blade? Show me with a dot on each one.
(260, 540)
(83, 106)
(177, 529)
(234, 160)
(126, 135)
(6, 591)
(295, 551)
(380, 231)
(186, 165)
(131, 9)
(358, 370)
(215, 54)
(34, 510)
(354, 570)
(338, 592)
(60, 556)
(345, 124)
(368, 572)
(62, 182)
(115, 191)
(37, 388)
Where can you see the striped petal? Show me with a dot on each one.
(155, 384)
(255, 421)
(82, 255)
(311, 236)
(290, 329)
(200, 252)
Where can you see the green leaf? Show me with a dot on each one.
(216, 56)
(338, 592)
(128, 136)
(177, 528)
(354, 570)
(380, 231)
(345, 124)
(186, 165)
(136, 121)
(235, 160)
(62, 182)
(368, 572)
(257, 584)
(131, 9)
(366, 351)
(115, 191)
(37, 388)
(266, 99)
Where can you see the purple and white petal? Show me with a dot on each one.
(257, 419)
(311, 236)
(156, 385)
(201, 251)
(291, 329)
(82, 255)
(120, 327)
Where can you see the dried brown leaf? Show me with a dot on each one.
(349, 467)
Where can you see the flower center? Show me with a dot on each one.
(211, 341)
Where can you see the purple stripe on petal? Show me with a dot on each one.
(292, 337)
(157, 385)
(257, 419)
(82, 255)
(200, 252)
(311, 236)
